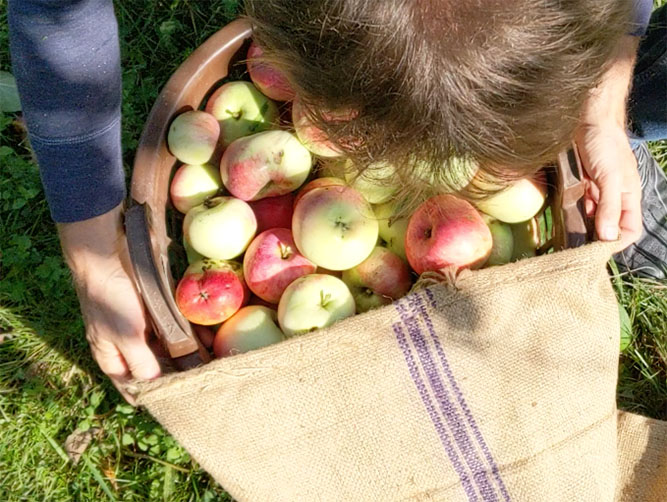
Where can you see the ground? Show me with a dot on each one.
(49, 386)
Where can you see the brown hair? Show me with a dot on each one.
(499, 82)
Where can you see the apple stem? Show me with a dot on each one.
(325, 299)
(235, 115)
(285, 251)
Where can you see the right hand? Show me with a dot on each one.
(117, 325)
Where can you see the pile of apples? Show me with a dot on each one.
(279, 247)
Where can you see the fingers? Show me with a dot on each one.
(609, 207)
(124, 359)
(631, 218)
(140, 360)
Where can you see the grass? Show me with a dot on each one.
(49, 386)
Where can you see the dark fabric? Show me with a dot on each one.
(640, 18)
(647, 106)
(66, 59)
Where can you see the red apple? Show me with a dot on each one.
(272, 262)
(378, 280)
(317, 183)
(273, 212)
(313, 137)
(256, 300)
(446, 231)
(211, 291)
(266, 77)
(206, 334)
(266, 164)
(193, 137)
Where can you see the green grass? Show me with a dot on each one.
(49, 385)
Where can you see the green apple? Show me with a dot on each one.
(520, 201)
(526, 239)
(376, 183)
(193, 184)
(220, 228)
(193, 137)
(251, 328)
(503, 241)
(241, 110)
(192, 255)
(334, 227)
(312, 302)
(393, 226)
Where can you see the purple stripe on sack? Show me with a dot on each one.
(435, 418)
(447, 407)
(459, 395)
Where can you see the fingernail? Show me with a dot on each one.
(609, 233)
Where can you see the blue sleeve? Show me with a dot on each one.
(66, 59)
(640, 17)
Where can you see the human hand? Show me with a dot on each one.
(613, 186)
(613, 191)
(116, 323)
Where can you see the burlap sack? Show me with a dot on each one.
(500, 388)
(642, 459)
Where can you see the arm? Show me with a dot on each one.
(614, 189)
(66, 59)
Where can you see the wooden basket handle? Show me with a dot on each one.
(572, 228)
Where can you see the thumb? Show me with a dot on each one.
(608, 212)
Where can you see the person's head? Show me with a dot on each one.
(501, 82)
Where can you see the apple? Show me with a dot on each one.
(377, 182)
(310, 135)
(526, 239)
(220, 228)
(210, 291)
(191, 255)
(193, 137)
(453, 176)
(266, 77)
(335, 273)
(312, 302)
(518, 202)
(256, 300)
(251, 328)
(503, 241)
(317, 183)
(378, 280)
(273, 212)
(193, 184)
(446, 231)
(272, 262)
(334, 227)
(206, 334)
(392, 226)
(266, 164)
(241, 110)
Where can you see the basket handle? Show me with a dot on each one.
(181, 342)
(573, 227)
